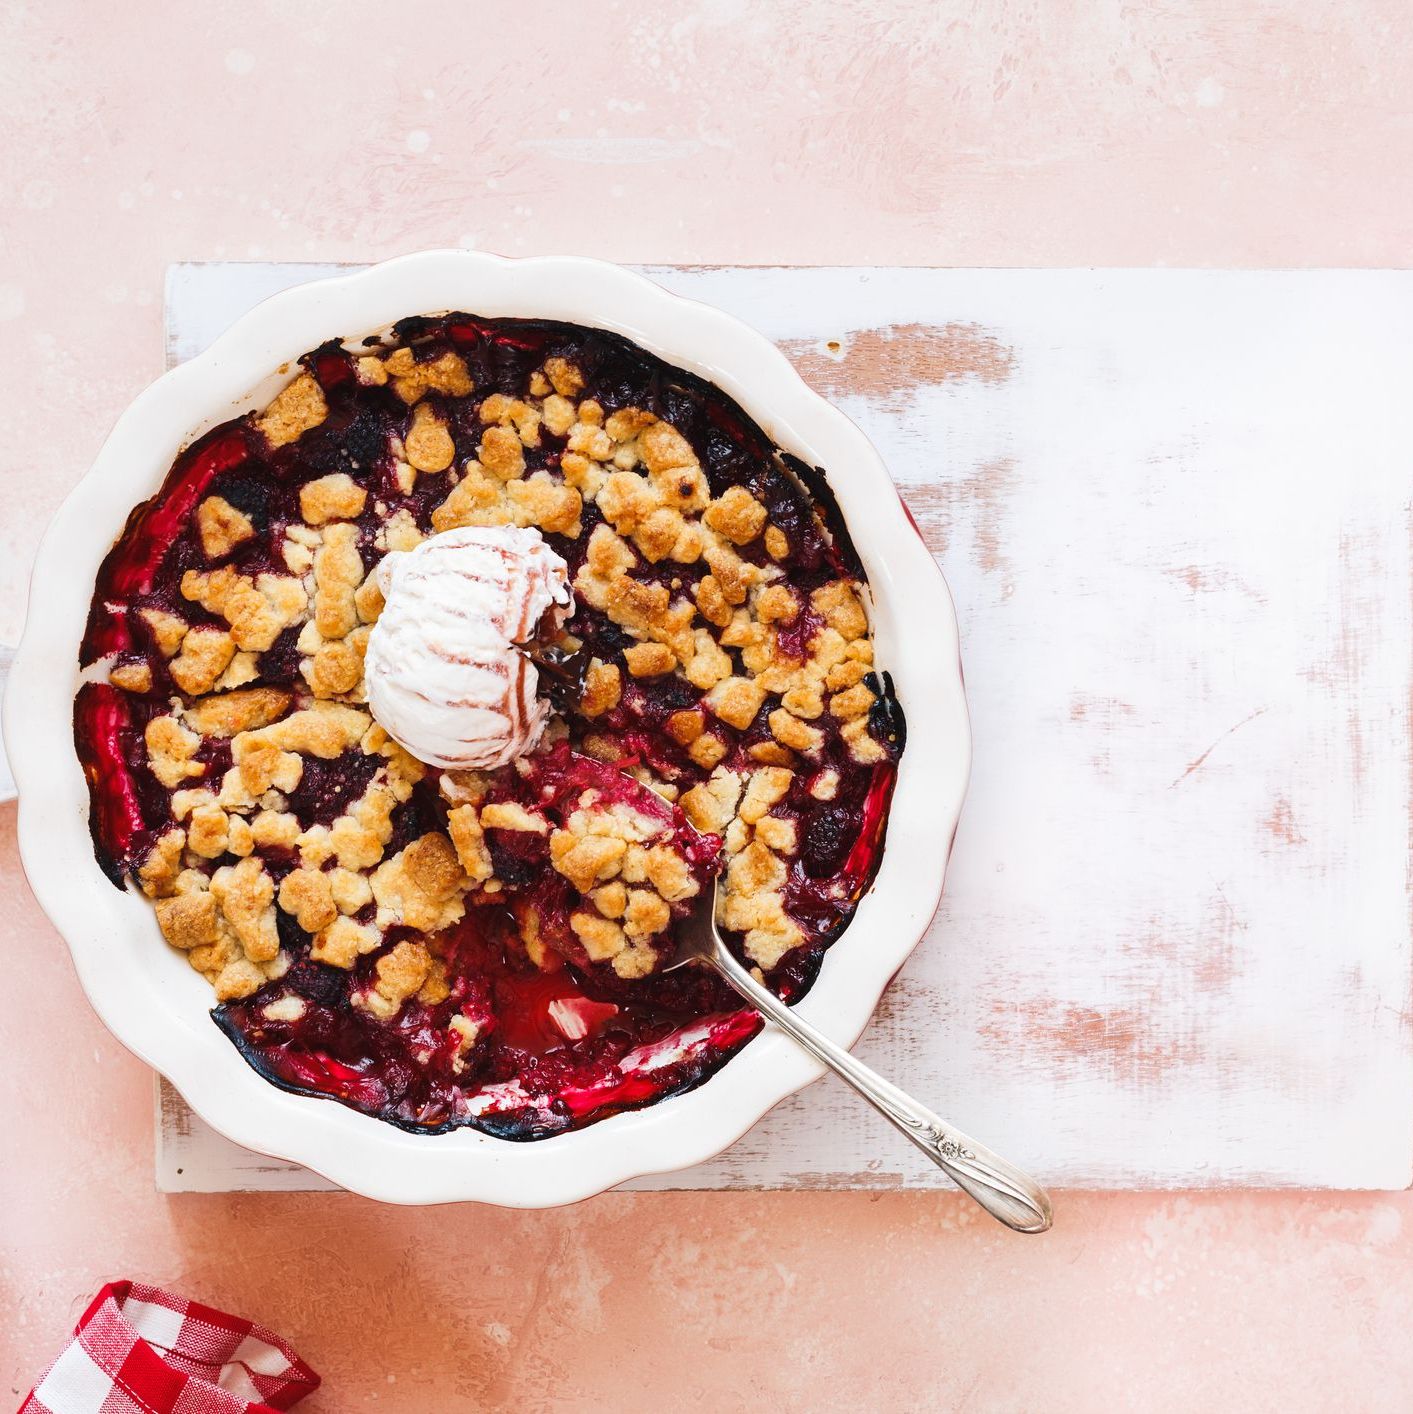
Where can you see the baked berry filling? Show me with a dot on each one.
(444, 948)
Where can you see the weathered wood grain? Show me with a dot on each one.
(1173, 508)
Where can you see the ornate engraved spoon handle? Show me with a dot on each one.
(1010, 1196)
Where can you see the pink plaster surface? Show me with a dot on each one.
(1250, 133)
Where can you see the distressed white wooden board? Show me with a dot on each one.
(1173, 507)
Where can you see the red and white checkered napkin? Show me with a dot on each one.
(141, 1350)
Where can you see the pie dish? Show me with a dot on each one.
(456, 950)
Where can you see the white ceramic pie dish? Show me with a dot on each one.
(159, 1008)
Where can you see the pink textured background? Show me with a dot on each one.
(1251, 132)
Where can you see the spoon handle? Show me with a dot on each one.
(1010, 1196)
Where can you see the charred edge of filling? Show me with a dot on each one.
(826, 504)
(521, 1127)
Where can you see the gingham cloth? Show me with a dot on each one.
(141, 1350)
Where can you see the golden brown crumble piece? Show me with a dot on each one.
(428, 442)
(804, 702)
(371, 371)
(513, 412)
(170, 747)
(602, 938)
(258, 610)
(308, 896)
(778, 835)
(587, 437)
(646, 660)
(610, 899)
(188, 920)
(685, 726)
(463, 787)
(838, 604)
(368, 599)
(338, 573)
(771, 753)
(401, 532)
(768, 786)
(732, 573)
(647, 914)
(603, 688)
(790, 731)
(336, 668)
(167, 630)
(274, 829)
(240, 838)
(608, 554)
(659, 532)
(586, 860)
(447, 373)
(358, 837)
(541, 501)
(776, 603)
(260, 766)
(777, 546)
(237, 979)
(668, 873)
(343, 942)
(435, 986)
(246, 895)
(422, 886)
(772, 934)
(221, 527)
(469, 841)
(558, 415)
(298, 557)
(736, 701)
(290, 1007)
(501, 453)
(133, 677)
(508, 815)
(295, 409)
(564, 377)
(243, 668)
(707, 751)
(754, 872)
(467, 1032)
(334, 497)
(207, 831)
(712, 603)
(711, 805)
(327, 729)
(709, 664)
(230, 713)
(626, 501)
(477, 499)
(480, 499)
(206, 652)
(862, 747)
(350, 891)
(665, 449)
(855, 702)
(736, 514)
(159, 871)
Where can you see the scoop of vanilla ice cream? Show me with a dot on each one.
(444, 672)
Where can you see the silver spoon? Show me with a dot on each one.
(1009, 1195)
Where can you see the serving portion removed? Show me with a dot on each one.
(423, 701)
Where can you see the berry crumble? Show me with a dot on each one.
(693, 695)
